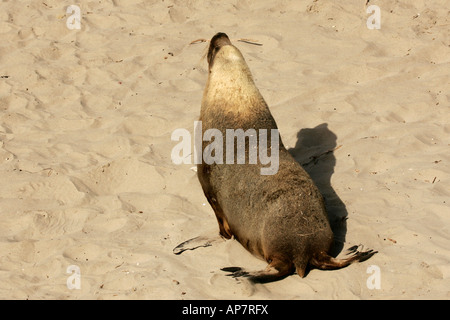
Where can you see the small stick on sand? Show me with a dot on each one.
(250, 41)
(315, 159)
(198, 41)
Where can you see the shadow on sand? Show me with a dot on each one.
(314, 151)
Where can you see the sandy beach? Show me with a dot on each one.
(91, 204)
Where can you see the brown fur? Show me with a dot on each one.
(280, 218)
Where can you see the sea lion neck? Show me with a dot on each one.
(242, 97)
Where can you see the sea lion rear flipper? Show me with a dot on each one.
(324, 261)
(276, 270)
(197, 242)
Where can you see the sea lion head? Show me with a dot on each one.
(230, 86)
(218, 41)
(220, 48)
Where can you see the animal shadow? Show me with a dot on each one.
(314, 151)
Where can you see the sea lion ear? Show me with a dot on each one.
(218, 41)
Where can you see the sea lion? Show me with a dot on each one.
(281, 217)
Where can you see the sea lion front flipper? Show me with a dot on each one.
(197, 242)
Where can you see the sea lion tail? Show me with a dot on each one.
(323, 261)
